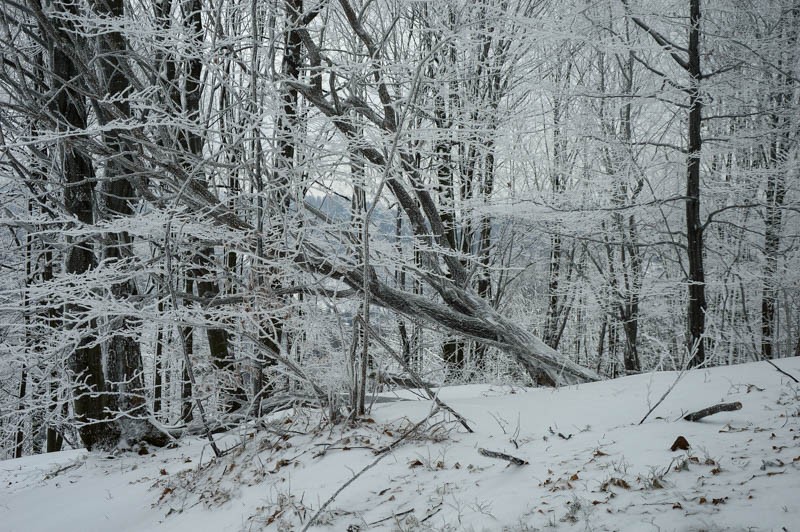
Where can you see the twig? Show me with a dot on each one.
(502, 456)
(408, 433)
(382, 453)
(415, 377)
(186, 359)
(57, 472)
(678, 378)
(437, 509)
(722, 407)
(771, 363)
(393, 516)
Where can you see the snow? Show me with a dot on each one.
(591, 466)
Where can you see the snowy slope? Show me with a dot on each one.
(591, 466)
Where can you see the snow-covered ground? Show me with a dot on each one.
(591, 466)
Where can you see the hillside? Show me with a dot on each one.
(591, 466)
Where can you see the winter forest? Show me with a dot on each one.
(213, 210)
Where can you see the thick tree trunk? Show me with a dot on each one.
(85, 363)
(55, 441)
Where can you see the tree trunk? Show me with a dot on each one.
(19, 439)
(124, 352)
(694, 227)
(85, 363)
(556, 307)
(187, 337)
(776, 186)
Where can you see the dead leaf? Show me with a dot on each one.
(677, 506)
(414, 463)
(280, 463)
(574, 477)
(721, 500)
(702, 500)
(616, 482)
(680, 443)
(598, 452)
(163, 472)
(271, 519)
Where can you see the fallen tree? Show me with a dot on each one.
(458, 308)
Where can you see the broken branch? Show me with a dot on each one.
(502, 456)
(722, 407)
